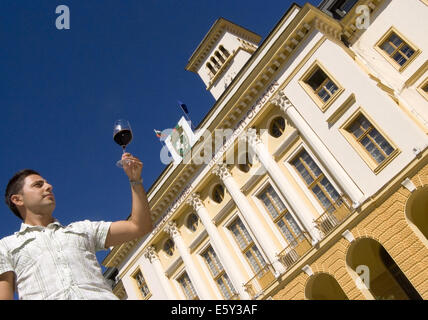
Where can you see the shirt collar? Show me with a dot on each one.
(25, 227)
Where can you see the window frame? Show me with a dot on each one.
(314, 96)
(281, 214)
(421, 90)
(137, 287)
(388, 58)
(221, 273)
(359, 148)
(182, 275)
(248, 247)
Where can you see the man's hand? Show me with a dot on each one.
(132, 166)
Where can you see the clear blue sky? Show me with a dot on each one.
(61, 91)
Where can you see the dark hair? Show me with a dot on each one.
(15, 186)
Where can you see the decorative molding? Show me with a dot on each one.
(221, 171)
(421, 71)
(195, 201)
(173, 266)
(151, 254)
(198, 240)
(171, 229)
(341, 110)
(348, 235)
(308, 270)
(408, 184)
(282, 101)
(253, 138)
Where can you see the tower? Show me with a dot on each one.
(222, 53)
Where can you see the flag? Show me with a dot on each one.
(183, 107)
(158, 133)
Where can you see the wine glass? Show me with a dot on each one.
(122, 135)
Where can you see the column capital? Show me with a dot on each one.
(171, 229)
(221, 170)
(151, 254)
(195, 201)
(282, 101)
(253, 138)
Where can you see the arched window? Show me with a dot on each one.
(224, 51)
(168, 247)
(219, 56)
(211, 68)
(218, 193)
(385, 280)
(323, 286)
(215, 62)
(416, 212)
(192, 222)
(277, 127)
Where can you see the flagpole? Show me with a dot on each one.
(183, 108)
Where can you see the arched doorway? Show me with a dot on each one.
(417, 212)
(324, 287)
(386, 281)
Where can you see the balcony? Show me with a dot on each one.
(295, 250)
(262, 280)
(334, 216)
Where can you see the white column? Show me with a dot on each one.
(328, 160)
(151, 254)
(192, 271)
(218, 245)
(284, 186)
(248, 214)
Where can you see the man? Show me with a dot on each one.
(46, 260)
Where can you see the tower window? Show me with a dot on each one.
(224, 51)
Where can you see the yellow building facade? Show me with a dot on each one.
(308, 178)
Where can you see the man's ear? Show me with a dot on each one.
(17, 200)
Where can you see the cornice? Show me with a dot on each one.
(349, 22)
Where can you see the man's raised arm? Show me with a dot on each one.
(6, 285)
(139, 223)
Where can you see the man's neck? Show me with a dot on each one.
(38, 220)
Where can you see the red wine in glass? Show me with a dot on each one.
(122, 135)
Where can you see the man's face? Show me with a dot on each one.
(36, 195)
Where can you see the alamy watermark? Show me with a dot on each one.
(63, 20)
(363, 20)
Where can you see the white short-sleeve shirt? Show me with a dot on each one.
(57, 262)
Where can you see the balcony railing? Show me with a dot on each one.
(262, 280)
(295, 250)
(334, 216)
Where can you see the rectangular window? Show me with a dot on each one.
(315, 180)
(396, 49)
(373, 146)
(370, 138)
(423, 89)
(247, 246)
(280, 215)
(141, 284)
(320, 86)
(218, 273)
(187, 287)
